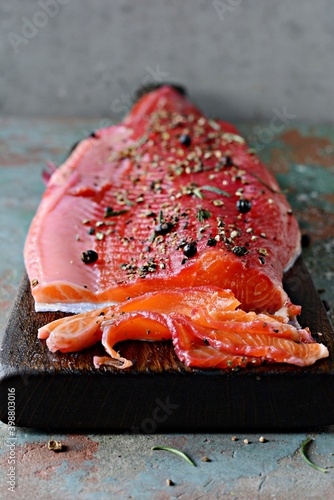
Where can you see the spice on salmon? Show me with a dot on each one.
(190, 249)
(244, 206)
(89, 256)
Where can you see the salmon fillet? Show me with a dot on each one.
(158, 212)
(168, 202)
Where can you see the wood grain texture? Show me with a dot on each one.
(65, 391)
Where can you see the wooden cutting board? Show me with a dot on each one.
(65, 392)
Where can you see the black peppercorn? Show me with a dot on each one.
(244, 206)
(89, 257)
(190, 249)
(163, 228)
(185, 139)
(227, 161)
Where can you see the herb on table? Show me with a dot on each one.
(176, 452)
(303, 450)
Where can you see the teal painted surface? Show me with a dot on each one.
(108, 466)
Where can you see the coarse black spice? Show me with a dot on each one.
(185, 139)
(227, 161)
(211, 242)
(89, 257)
(163, 228)
(190, 249)
(244, 206)
(239, 251)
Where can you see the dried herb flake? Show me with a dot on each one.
(109, 212)
(202, 215)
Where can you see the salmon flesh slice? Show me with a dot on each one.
(236, 338)
(166, 202)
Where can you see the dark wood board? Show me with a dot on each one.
(158, 394)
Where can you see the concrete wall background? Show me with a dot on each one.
(240, 59)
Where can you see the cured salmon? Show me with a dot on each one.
(168, 223)
(206, 325)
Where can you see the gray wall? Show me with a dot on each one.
(240, 59)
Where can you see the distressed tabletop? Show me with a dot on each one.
(105, 466)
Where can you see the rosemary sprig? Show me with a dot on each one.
(303, 450)
(216, 190)
(197, 192)
(176, 452)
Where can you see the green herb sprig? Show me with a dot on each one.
(303, 451)
(203, 215)
(176, 452)
(214, 189)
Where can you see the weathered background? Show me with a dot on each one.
(240, 59)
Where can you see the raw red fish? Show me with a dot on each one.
(155, 199)
(167, 226)
(206, 325)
